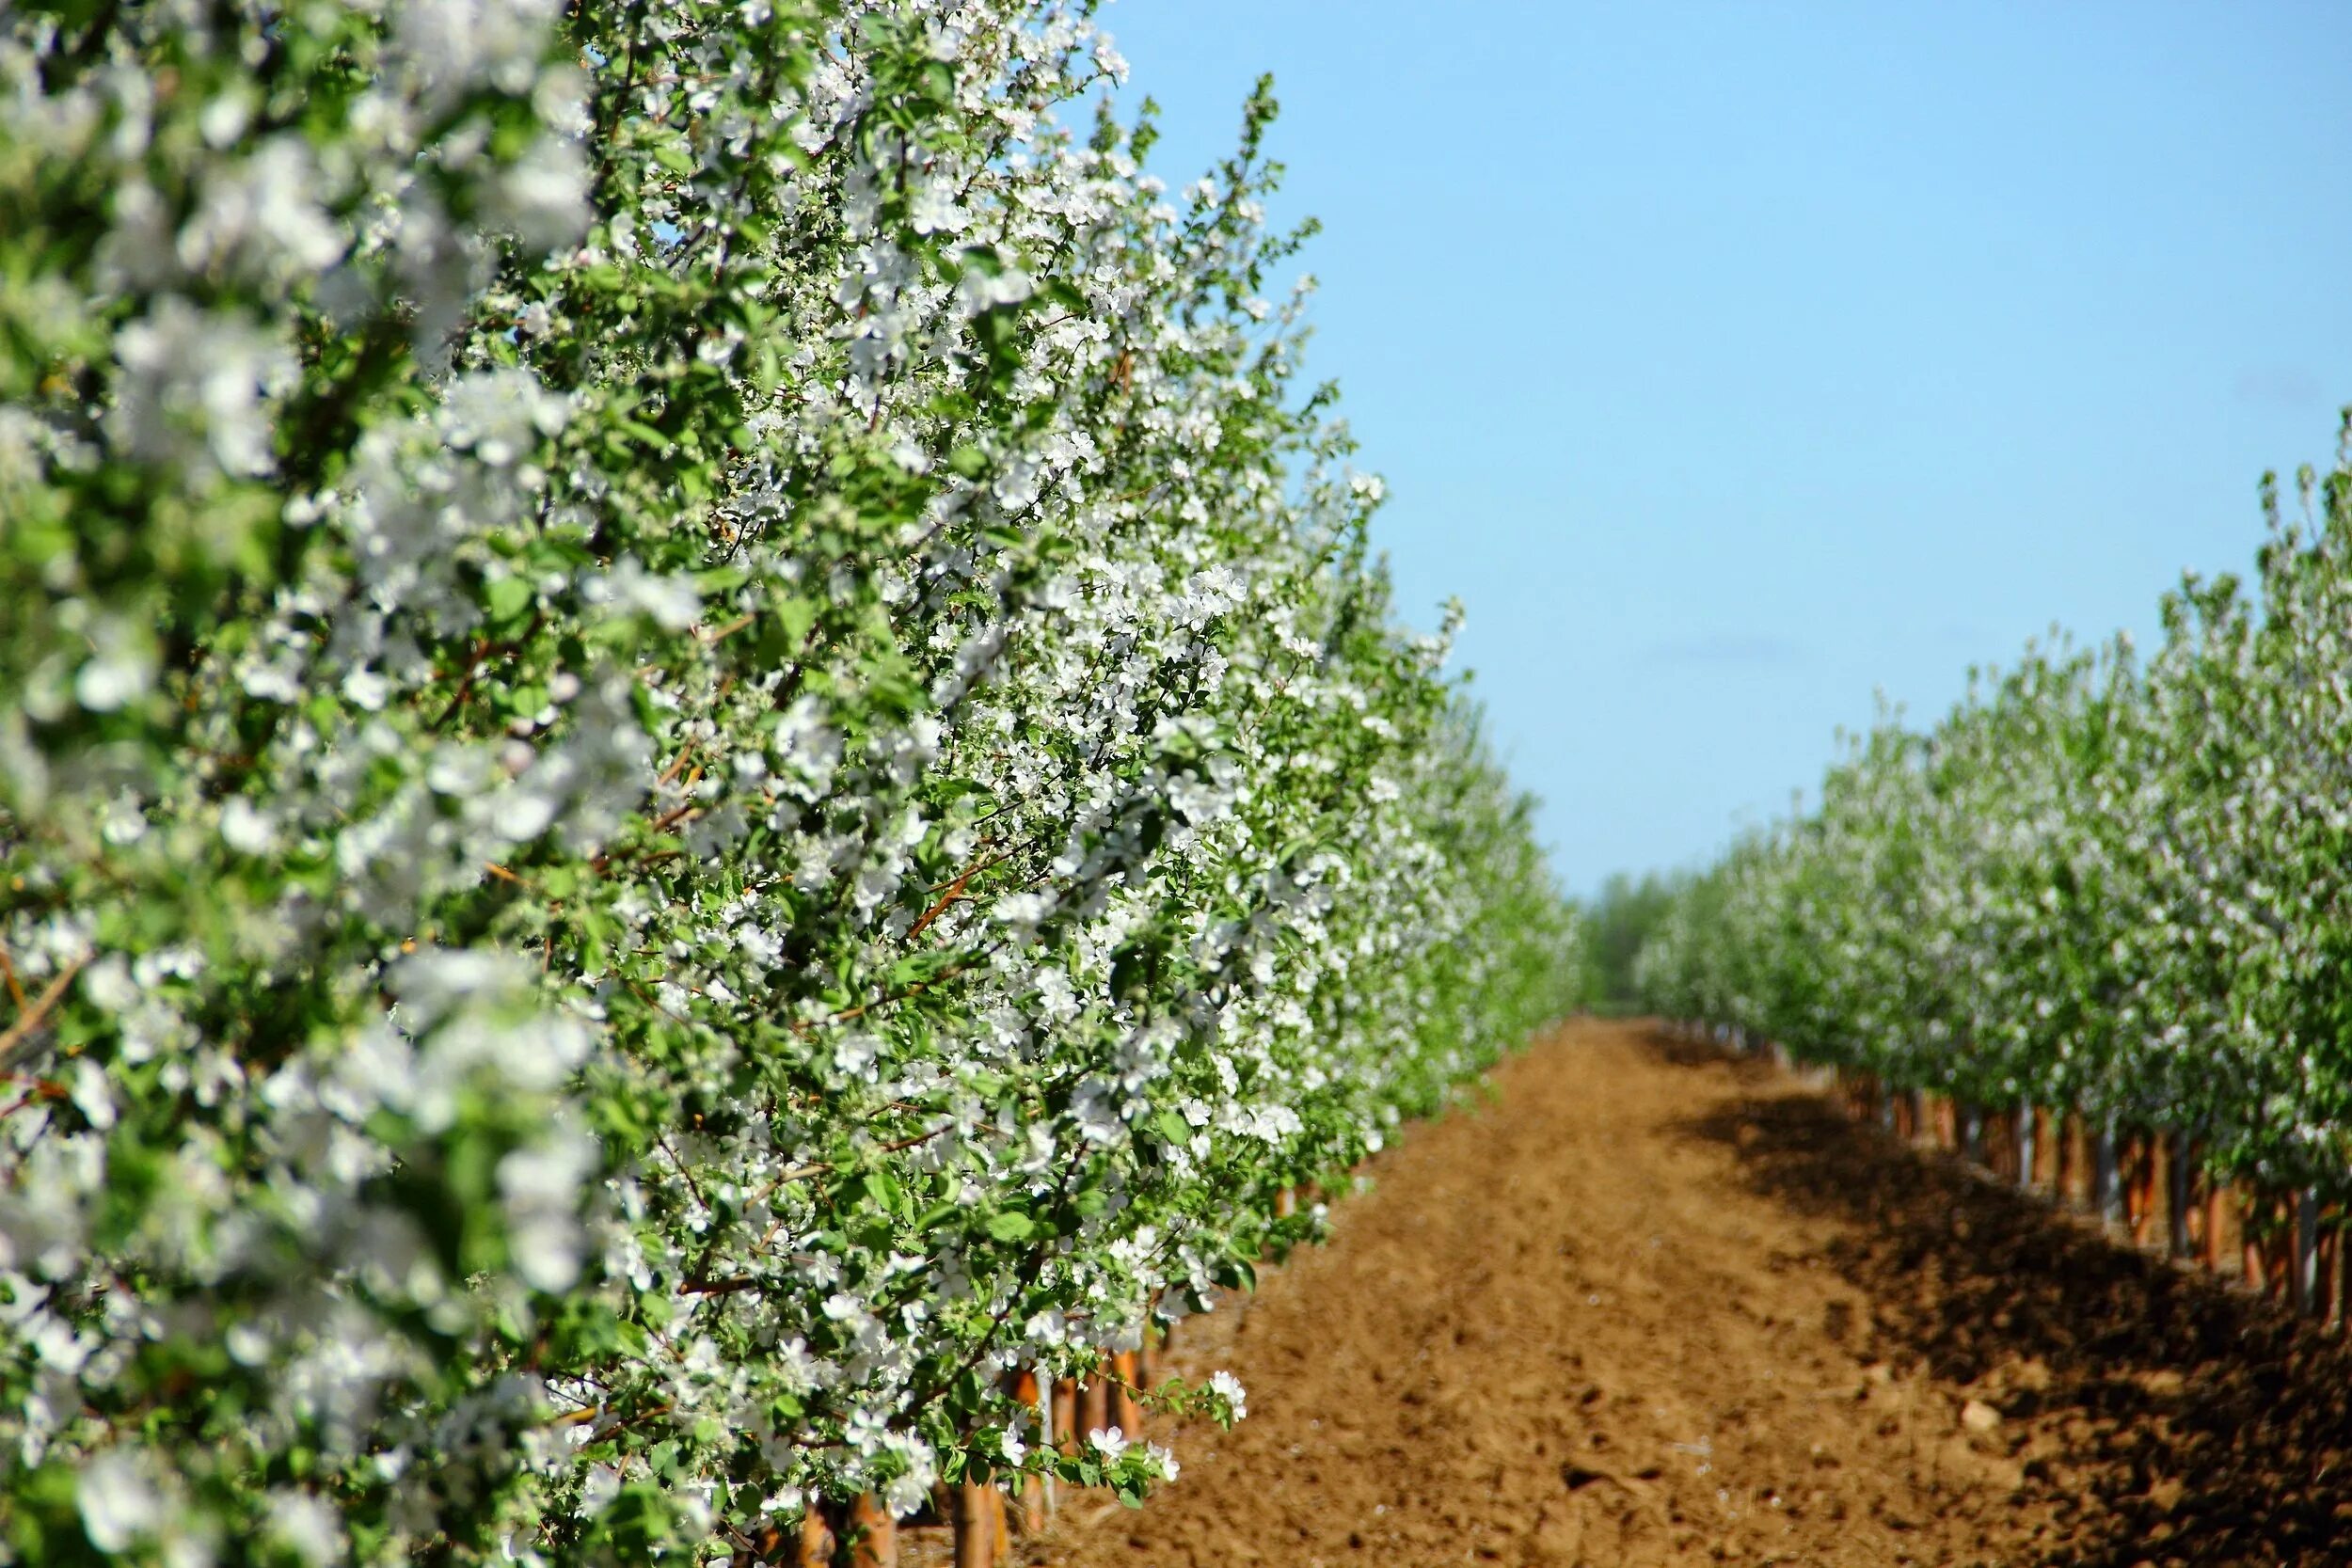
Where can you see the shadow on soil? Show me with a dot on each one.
(2187, 1424)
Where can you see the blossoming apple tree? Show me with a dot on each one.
(2104, 883)
(700, 757)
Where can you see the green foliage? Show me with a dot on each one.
(701, 754)
(1613, 926)
(2101, 881)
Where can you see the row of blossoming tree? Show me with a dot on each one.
(700, 776)
(2105, 885)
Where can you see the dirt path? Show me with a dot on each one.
(1649, 1306)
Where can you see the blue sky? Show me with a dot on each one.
(1733, 361)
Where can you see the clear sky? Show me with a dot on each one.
(1732, 361)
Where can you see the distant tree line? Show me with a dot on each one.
(1615, 924)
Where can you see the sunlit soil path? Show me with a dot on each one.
(1646, 1304)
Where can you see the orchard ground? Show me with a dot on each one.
(1646, 1304)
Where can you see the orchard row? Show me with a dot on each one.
(702, 774)
(2108, 884)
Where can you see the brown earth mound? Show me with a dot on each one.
(1646, 1304)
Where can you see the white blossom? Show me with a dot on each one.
(119, 1503)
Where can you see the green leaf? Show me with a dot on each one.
(507, 598)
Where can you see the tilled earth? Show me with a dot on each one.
(1647, 1304)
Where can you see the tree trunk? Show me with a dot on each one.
(2327, 1260)
(2278, 1249)
(1030, 1497)
(1147, 1354)
(2148, 1186)
(974, 1522)
(815, 1544)
(2076, 1180)
(873, 1534)
(2107, 1195)
(2253, 1231)
(2304, 1251)
(1094, 1409)
(2221, 1230)
(1126, 1414)
(2176, 1171)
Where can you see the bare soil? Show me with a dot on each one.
(1646, 1304)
